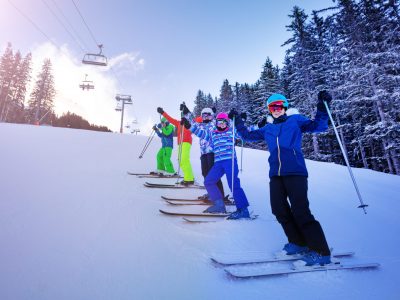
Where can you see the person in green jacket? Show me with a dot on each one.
(165, 131)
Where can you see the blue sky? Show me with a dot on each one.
(161, 52)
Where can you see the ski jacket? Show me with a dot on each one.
(187, 135)
(167, 136)
(221, 142)
(205, 146)
(284, 138)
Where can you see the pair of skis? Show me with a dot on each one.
(255, 268)
(154, 175)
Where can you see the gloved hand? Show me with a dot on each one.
(323, 96)
(243, 116)
(185, 122)
(262, 122)
(233, 114)
(160, 110)
(183, 108)
(154, 127)
(214, 109)
(159, 125)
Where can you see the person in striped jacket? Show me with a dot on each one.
(221, 138)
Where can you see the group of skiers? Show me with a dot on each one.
(288, 172)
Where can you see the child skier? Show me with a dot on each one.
(186, 144)
(221, 139)
(206, 121)
(164, 164)
(288, 175)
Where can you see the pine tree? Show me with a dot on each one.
(42, 96)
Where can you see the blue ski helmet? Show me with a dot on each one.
(278, 98)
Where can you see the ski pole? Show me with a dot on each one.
(233, 153)
(180, 149)
(241, 158)
(152, 134)
(363, 206)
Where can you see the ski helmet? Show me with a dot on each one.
(163, 120)
(278, 98)
(222, 116)
(207, 110)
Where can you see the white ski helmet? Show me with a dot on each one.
(207, 110)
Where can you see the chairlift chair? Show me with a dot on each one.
(86, 84)
(95, 59)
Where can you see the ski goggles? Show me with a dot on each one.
(221, 122)
(206, 115)
(275, 107)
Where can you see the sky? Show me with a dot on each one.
(160, 52)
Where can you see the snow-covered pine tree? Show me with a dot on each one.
(42, 96)
(225, 100)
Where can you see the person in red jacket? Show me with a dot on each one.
(185, 143)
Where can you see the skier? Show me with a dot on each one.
(164, 164)
(221, 139)
(206, 121)
(288, 175)
(186, 144)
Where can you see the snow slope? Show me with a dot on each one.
(74, 225)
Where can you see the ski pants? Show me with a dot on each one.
(217, 171)
(296, 219)
(207, 161)
(164, 160)
(185, 162)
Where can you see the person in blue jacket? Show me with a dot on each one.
(165, 131)
(288, 175)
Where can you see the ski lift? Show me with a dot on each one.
(118, 108)
(95, 59)
(86, 84)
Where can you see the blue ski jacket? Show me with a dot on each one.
(284, 138)
(167, 136)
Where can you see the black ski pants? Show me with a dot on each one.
(207, 161)
(289, 204)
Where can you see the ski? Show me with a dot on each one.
(151, 175)
(180, 203)
(158, 176)
(246, 273)
(189, 214)
(260, 260)
(172, 186)
(195, 200)
(182, 199)
(197, 219)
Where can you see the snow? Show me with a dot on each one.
(74, 225)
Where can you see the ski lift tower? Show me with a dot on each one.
(125, 99)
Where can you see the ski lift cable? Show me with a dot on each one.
(83, 19)
(33, 24)
(63, 25)
(72, 28)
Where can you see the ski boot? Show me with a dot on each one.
(241, 213)
(292, 249)
(217, 207)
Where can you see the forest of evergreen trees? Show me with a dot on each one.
(15, 75)
(352, 50)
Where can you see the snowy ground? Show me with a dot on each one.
(74, 225)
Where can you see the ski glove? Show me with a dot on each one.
(185, 122)
(214, 109)
(323, 96)
(243, 116)
(183, 108)
(154, 127)
(233, 114)
(262, 122)
(160, 110)
(159, 125)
